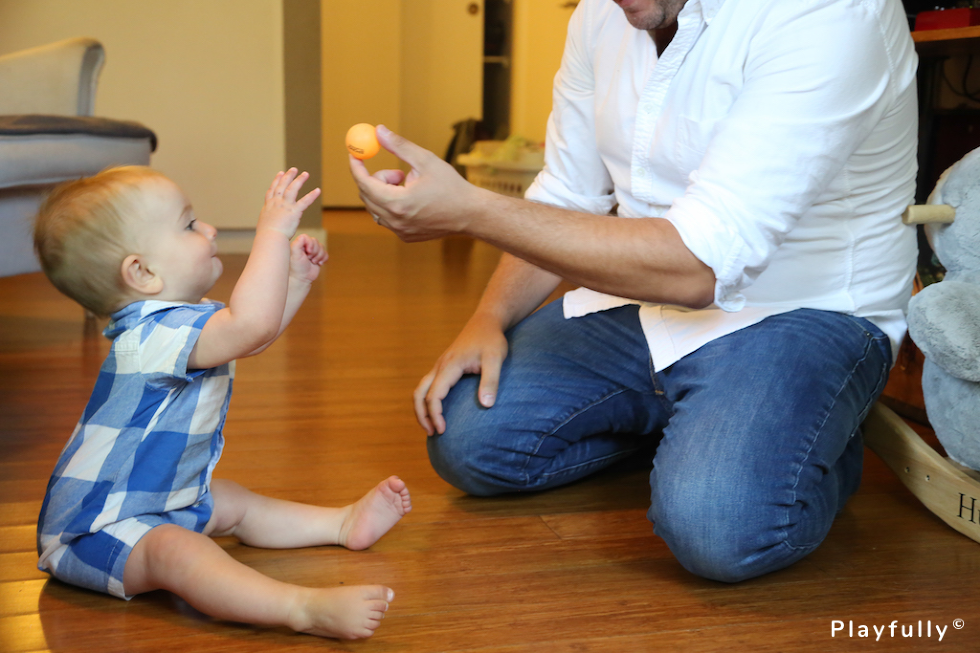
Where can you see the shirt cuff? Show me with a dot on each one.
(718, 246)
(548, 189)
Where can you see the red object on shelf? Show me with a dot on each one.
(946, 19)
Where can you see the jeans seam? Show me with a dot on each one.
(805, 547)
(618, 454)
(551, 433)
(869, 342)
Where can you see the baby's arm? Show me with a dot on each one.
(306, 257)
(256, 309)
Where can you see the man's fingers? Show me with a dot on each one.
(445, 378)
(390, 177)
(366, 183)
(373, 209)
(418, 398)
(434, 408)
(489, 379)
(359, 171)
(404, 149)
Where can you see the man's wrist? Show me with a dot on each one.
(483, 207)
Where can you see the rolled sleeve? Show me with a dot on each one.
(574, 175)
(809, 99)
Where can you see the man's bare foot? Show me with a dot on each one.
(342, 612)
(374, 514)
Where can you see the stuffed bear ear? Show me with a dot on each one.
(958, 181)
(938, 196)
(943, 322)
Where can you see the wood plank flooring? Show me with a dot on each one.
(326, 413)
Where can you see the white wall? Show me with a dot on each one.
(205, 75)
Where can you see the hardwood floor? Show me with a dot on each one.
(326, 413)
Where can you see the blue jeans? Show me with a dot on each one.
(756, 434)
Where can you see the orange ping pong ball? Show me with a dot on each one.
(362, 141)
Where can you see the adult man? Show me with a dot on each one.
(744, 304)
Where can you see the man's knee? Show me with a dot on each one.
(468, 454)
(462, 460)
(721, 535)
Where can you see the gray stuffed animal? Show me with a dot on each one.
(944, 318)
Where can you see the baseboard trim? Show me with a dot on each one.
(239, 241)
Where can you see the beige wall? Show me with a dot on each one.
(412, 65)
(539, 39)
(303, 97)
(205, 75)
(361, 83)
(442, 69)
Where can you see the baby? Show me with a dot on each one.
(131, 506)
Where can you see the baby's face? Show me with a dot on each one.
(180, 249)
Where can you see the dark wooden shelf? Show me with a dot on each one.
(946, 42)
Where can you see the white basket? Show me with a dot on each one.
(501, 176)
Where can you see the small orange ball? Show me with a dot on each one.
(362, 141)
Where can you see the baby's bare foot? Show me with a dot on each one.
(374, 514)
(343, 612)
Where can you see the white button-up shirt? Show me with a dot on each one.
(777, 136)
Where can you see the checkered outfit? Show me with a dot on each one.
(142, 453)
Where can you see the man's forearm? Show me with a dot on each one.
(515, 290)
(642, 259)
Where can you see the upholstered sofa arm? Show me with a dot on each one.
(36, 150)
(59, 78)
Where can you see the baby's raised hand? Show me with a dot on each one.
(306, 255)
(282, 210)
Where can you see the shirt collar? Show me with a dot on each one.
(709, 8)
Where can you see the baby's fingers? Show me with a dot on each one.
(307, 200)
(306, 246)
(315, 251)
(282, 181)
(295, 183)
(269, 194)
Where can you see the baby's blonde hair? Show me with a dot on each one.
(81, 235)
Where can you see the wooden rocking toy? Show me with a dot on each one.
(950, 490)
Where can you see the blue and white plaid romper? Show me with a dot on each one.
(142, 453)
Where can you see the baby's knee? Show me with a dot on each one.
(160, 549)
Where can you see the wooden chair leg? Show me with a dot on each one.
(948, 489)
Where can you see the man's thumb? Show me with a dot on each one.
(400, 146)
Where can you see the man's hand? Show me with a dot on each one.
(433, 202)
(282, 210)
(480, 348)
(306, 255)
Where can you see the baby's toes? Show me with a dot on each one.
(378, 594)
(396, 485)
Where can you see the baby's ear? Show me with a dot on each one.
(139, 277)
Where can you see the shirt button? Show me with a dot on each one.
(647, 108)
(640, 172)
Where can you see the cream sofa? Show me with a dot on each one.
(48, 135)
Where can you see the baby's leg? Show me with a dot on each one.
(276, 524)
(199, 571)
